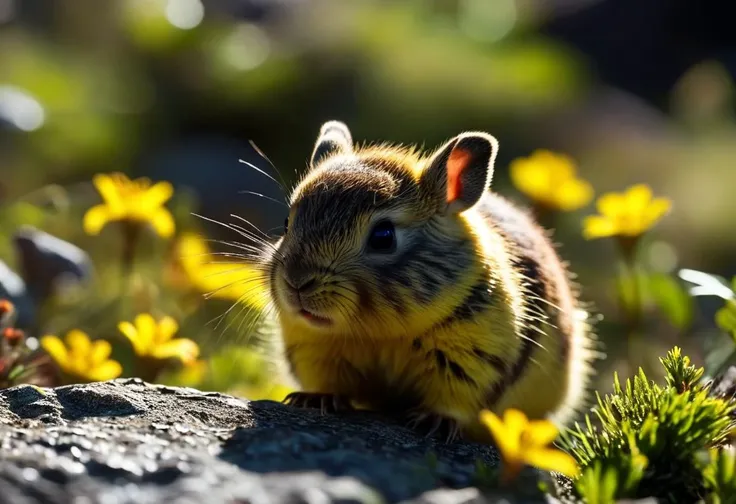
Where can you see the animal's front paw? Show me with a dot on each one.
(326, 403)
(431, 423)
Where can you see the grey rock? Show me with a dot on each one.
(48, 263)
(14, 289)
(126, 441)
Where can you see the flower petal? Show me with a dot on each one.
(108, 188)
(550, 459)
(611, 204)
(184, 349)
(130, 332)
(507, 444)
(108, 370)
(56, 349)
(574, 194)
(95, 219)
(192, 250)
(167, 327)
(541, 433)
(163, 222)
(656, 210)
(158, 194)
(78, 342)
(638, 198)
(560, 166)
(515, 422)
(146, 327)
(101, 350)
(531, 178)
(597, 226)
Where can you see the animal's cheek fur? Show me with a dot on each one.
(275, 289)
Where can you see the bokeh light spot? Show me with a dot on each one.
(662, 256)
(20, 109)
(487, 21)
(185, 14)
(246, 47)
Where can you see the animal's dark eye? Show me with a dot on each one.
(382, 237)
(286, 225)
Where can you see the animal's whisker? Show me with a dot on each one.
(256, 228)
(263, 173)
(240, 231)
(260, 284)
(264, 197)
(266, 158)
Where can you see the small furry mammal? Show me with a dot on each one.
(403, 285)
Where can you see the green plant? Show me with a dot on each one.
(645, 440)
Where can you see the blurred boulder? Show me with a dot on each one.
(254, 10)
(13, 288)
(48, 263)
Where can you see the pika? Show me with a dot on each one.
(403, 284)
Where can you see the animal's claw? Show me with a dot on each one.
(326, 403)
(432, 423)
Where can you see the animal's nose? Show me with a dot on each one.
(302, 283)
(307, 285)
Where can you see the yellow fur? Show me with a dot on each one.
(376, 350)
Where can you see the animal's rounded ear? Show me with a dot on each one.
(461, 170)
(334, 137)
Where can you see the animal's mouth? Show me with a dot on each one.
(314, 318)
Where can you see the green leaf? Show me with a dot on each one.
(663, 291)
(16, 372)
(726, 318)
(671, 298)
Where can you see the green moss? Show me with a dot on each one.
(647, 440)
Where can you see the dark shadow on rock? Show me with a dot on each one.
(375, 451)
(80, 403)
(126, 441)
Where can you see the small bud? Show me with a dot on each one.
(6, 307)
(13, 336)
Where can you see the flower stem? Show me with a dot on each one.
(131, 236)
(509, 472)
(632, 309)
(148, 369)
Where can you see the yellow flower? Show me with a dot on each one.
(550, 179)
(524, 442)
(156, 339)
(82, 358)
(190, 376)
(130, 200)
(630, 213)
(221, 278)
(271, 392)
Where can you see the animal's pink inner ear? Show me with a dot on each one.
(456, 164)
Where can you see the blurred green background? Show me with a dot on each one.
(175, 90)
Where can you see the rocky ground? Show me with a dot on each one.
(126, 441)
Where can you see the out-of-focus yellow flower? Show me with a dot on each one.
(191, 375)
(550, 179)
(82, 358)
(223, 279)
(524, 442)
(130, 200)
(156, 339)
(629, 214)
(271, 392)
